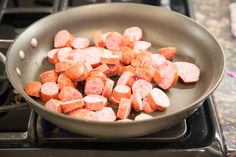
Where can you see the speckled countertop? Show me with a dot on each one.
(215, 16)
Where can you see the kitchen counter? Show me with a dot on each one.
(214, 15)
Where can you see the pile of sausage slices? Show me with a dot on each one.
(119, 70)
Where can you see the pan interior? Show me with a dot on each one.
(162, 28)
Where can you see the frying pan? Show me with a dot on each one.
(160, 27)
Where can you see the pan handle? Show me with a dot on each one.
(4, 43)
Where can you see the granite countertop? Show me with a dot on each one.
(214, 15)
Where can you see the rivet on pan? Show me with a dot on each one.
(18, 71)
(34, 42)
(22, 54)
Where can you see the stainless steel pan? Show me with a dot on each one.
(161, 27)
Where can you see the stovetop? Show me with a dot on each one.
(25, 133)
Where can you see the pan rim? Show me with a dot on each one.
(33, 102)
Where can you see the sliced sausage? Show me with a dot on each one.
(129, 41)
(127, 78)
(108, 88)
(49, 90)
(142, 54)
(92, 55)
(82, 113)
(121, 91)
(33, 88)
(99, 74)
(54, 105)
(142, 86)
(110, 59)
(64, 81)
(124, 108)
(106, 114)
(94, 85)
(76, 72)
(124, 120)
(63, 54)
(77, 56)
(136, 100)
(63, 65)
(147, 106)
(114, 69)
(188, 72)
(169, 75)
(136, 63)
(69, 93)
(167, 52)
(51, 55)
(88, 66)
(156, 60)
(80, 43)
(127, 56)
(143, 74)
(102, 68)
(63, 38)
(157, 77)
(114, 101)
(94, 102)
(69, 106)
(48, 76)
(142, 45)
(98, 39)
(134, 32)
(158, 99)
(143, 116)
(114, 41)
(128, 68)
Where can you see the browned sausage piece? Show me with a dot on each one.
(106, 114)
(94, 85)
(169, 75)
(72, 105)
(142, 45)
(92, 55)
(80, 43)
(134, 32)
(63, 38)
(76, 72)
(124, 108)
(64, 81)
(108, 88)
(54, 105)
(98, 39)
(33, 88)
(147, 106)
(143, 116)
(188, 72)
(82, 113)
(155, 60)
(127, 78)
(63, 66)
(158, 99)
(69, 93)
(95, 102)
(142, 86)
(63, 53)
(51, 54)
(121, 91)
(114, 41)
(48, 76)
(49, 90)
(137, 102)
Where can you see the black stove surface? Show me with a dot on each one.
(25, 133)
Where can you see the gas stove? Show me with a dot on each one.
(25, 133)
